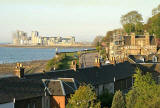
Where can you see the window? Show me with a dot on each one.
(34, 105)
(154, 59)
(28, 106)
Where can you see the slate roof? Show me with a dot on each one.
(22, 88)
(69, 85)
(54, 87)
(90, 75)
(33, 84)
(14, 87)
(60, 87)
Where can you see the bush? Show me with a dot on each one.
(106, 98)
(118, 100)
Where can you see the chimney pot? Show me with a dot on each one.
(19, 71)
(97, 62)
(74, 65)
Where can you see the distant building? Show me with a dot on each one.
(20, 38)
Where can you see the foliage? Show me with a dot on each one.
(62, 61)
(84, 97)
(145, 93)
(118, 100)
(108, 36)
(156, 10)
(132, 17)
(106, 98)
(53, 62)
(153, 25)
(132, 22)
(97, 40)
(103, 53)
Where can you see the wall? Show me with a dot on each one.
(58, 102)
(7, 105)
(110, 87)
(46, 102)
(123, 84)
(29, 103)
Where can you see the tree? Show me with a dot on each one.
(84, 97)
(97, 40)
(156, 11)
(108, 36)
(118, 100)
(132, 22)
(153, 25)
(106, 98)
(145, 92)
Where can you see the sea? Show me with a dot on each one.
(13, 55)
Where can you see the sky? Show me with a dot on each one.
(83, 19)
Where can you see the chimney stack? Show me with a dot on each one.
(74, 65)
(97, 62)
(133, 39)
(19, 71)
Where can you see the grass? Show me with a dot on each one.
(64, 60)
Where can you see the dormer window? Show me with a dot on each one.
(154, 59)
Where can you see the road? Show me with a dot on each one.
(87, 59)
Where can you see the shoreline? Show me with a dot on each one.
(40, 46)
(35, 66)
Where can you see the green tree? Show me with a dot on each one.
(156, 10)
(145, 93)
(132, 22)
(106, 98)
(118, 100)
(153, 25)
(97, 40)
(84, 97)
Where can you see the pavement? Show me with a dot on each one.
(87, 59)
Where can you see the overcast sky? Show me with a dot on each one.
(83, 19)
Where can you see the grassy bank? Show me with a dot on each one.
(64, 60)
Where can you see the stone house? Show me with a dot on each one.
(126, 45)
(19, 92)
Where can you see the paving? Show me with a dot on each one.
(87, 59)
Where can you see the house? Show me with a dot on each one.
(19, 92)
(112, 77)
(124, 45)
(52, 89)
(59, 91)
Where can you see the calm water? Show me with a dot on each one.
(12, 55)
